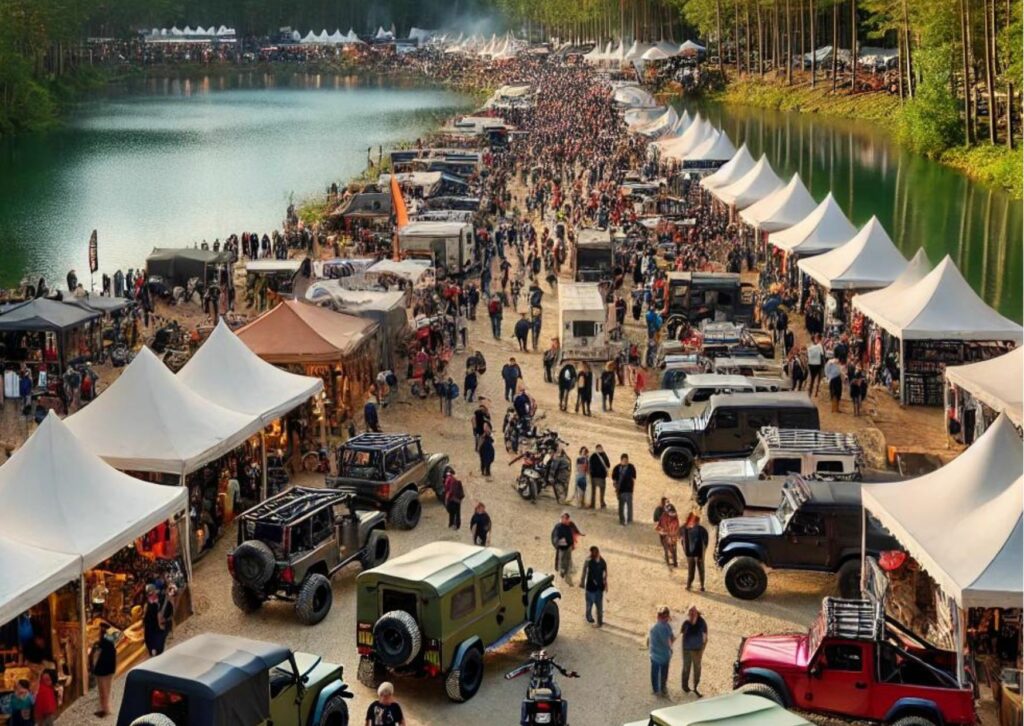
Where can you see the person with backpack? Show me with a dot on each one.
(522, 332)
(494, 311)
(566, 382)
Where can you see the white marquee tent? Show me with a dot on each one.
(820, 231)
(689, 46)
(962, 523)
(998, 383)
(868, 261)
(716, 148)
(661, 125)
(914, 272)
(678, 147)
(731, 171)
(655, 54)
(225, 371)
(668, 48)
(638, 118)
(30, 575)
(780, 210)
(148, 420)
(633, 97)
(755, 185)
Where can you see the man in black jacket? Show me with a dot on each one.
(566, 382)
(599, 466)
(695, 545)
(623, 479)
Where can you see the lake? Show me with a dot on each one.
(165, 163)
(919, 202)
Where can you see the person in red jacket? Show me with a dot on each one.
(45, 710)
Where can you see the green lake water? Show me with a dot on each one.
(164, 163)
(919, 202)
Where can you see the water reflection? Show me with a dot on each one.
(919, 202)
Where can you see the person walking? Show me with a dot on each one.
(695, 545)
(481, 417)
(103, 663)
(582, 467)
(470, 383)
(486, 451)
(510, 373)
(834, 377)
(594, 581)
(695, 636)
(668, 530)
(563, 539)
(815, 361)
(370, 414)
(858, 389)
(798, 369)
(584, 389)
(522, 332)
(549, 359)
(447, 391)
(494, 311)
(385, 711)
(599, 466)
(566, 382)
(660, 640)
(607, 386)
(154, 622)
(453, 496)
(624, 479)
(480, 525)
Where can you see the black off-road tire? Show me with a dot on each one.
(314, 599)
(335, 712)
(723, 505)
(763, 690)
(152, 719)
(544, 630)
(376, 550)
(462, 683)
(914, 721)
(245, 599)
(677, 462)
(745, 578)
(254, 564)
(370, 673)
(848, 579)
(397, 638)
(406, 510)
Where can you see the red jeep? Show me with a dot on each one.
(856, 662)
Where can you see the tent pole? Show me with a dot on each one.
(83, 634)
(958, 638)
(263, 467)
(903, 374)
(188, 537)
(863, 547)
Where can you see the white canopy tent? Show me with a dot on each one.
(716, 148)
(753, 186)
(310, 38)
(731, 171)
(780, 210)
(822, 230)
(633, 97)
(636, 51)
(962, 523)
(914, 272)
(680, 126)
(661, 125)
(689, 47)
(30, 575)
(868, 261)
(637, 118)
(336, 37)
(942, 306)
(225, 371)
(678, 147)
(667, 47)
(655, 54)
(998, 383)
(148, 420)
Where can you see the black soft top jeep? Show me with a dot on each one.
(817, 526)
(388, 472)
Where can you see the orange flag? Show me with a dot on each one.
(401, 214)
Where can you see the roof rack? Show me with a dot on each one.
(855, 619)
(372, 440)
(294, 504)
(818, 442)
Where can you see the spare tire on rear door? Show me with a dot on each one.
(397, 639)
(254, 563)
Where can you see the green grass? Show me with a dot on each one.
(994, 165)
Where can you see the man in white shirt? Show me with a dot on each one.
(815, 360)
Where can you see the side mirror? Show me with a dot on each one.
(529, 573)
(816, 670)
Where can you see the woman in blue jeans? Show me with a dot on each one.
(659, 642)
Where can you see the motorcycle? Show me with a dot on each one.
(543, 703)
(542, 468)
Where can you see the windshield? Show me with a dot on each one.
(358, 464)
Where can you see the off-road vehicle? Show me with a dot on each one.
(729, 487)
(221, 680)
(388, 472)
(817, 527)
(434, 611)
(692, 396)
(290, 545)
(728, 428)
(857, 663)
(730, 709)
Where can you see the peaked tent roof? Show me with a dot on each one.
(869, 260)
(942, 306)
(226, 372)
(690, 45)
(680, 126)
(62, 497)
(42, 314)
(975, 499)
(655, 54)
(784, 208)
(997, 382)
(148, 420)
(638, 118)
(914, 272)
(755, 185)
(633, 97)
(295, 332)
(30, 575)
(731, 171)
(716, 148)
(660, 125)
(678, 147)
(822, 230)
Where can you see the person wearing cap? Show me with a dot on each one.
(563, 539)
(660, 640)
(695, 636)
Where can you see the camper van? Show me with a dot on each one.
(582, 322)
(448, 245)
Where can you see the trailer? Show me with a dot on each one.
(582, 322)
(448, 245)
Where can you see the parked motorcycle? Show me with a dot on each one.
(543, 467)
(543, 703)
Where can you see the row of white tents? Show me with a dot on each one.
(497, 48)
(199, 32)
(692, 140)
(641, 52)
(335, 38)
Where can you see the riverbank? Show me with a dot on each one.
(993, 165)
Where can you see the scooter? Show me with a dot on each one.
(543, 703)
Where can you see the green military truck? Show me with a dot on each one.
(434, 611)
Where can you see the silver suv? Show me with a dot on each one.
(692, 396)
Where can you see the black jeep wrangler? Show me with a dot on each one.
(290, 545)
(727, 428)
(387, 472)
(816, 527)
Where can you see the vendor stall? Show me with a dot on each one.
(44, 335)
(977, 393)
(386, 308)
(731, 171)
(780, 210)
(753, 186)
(938, 321)
(176, 266)
(822, 230)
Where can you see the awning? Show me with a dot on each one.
(998, 383)
(914, 272)
(868, 261)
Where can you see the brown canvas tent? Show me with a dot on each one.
(295, 332)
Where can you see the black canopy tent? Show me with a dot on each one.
(224, 679)
(178, 265)
(100, 304)
(45, 316)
